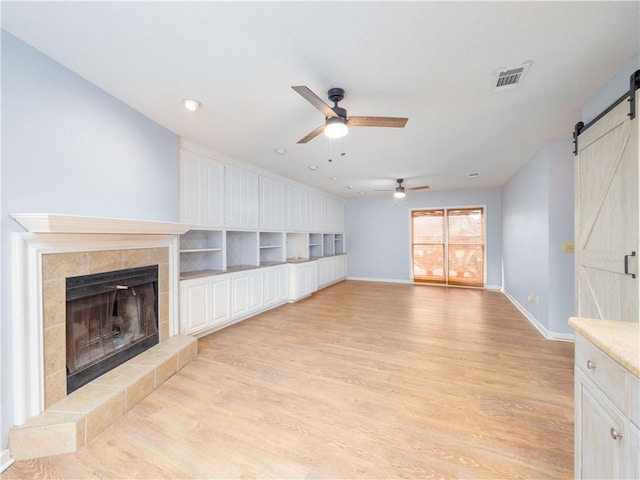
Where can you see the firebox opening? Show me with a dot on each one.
(111, 318)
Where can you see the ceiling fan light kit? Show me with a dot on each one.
(192, 104)
(336, 127)
(399, 194)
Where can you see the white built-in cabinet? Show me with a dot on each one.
(241, 198)
(296, 213)
(271, 204)
(201, 190)
(331, 270)
(276, 285)
(303, 279)
(204, 303)
(256, 242)
(607, 406)
(314, 212)
(247, 293)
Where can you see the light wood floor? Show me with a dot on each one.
(363, 380)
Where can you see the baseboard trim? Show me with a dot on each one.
(5, 461)
(562, 337)
(381, 280)
(411, 282)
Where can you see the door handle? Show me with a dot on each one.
(634, 260)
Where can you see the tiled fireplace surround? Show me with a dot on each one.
(57, 422)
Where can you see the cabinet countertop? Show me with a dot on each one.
(619, 340)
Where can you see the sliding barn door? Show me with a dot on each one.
(607, 218)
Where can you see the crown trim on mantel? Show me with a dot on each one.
(57, 223)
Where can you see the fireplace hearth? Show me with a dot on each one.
(110, 318)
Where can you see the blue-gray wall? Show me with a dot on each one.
(378, 232)
(537, 218)
(69, 147)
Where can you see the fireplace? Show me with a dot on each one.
(110, 318)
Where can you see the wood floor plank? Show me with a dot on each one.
(362, 380)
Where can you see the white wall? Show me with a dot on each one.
(378, 232)
(69, 147)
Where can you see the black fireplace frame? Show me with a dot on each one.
(86, 285)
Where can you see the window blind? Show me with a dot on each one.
(448, 246)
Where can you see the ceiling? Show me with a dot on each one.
(432, 62)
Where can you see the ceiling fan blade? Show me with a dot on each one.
(311, 135)
(377, 122)
(387, 190)
(424, 187)
(315, 100)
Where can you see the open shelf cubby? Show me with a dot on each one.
(271, 248)
(338, 244)
(242, 248)
(327, 244)
(201, 250)
(297, 246)
(315, 245)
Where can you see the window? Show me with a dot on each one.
(448, 246)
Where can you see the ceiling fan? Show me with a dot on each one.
(400, 191)
(336, 121)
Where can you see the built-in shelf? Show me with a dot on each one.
(242, 249)
(201, 250)
(271, 247)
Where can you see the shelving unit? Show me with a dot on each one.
(270, 246)
(201, 251)
(338, 244)
(315, 245)
(327, 244)
(242, 249)
(297, 246)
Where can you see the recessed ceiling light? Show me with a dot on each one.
(313, 167)
(191, 104)
(333, 178)
(473, 174)
(280, 151)
(350, 187)
(361, 193)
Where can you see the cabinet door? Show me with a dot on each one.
(212, 192)
(598, 454)
(271, 204)
(241, 198)
(195, 305)
(239, 295)
(250, 197)
(201, 190)
(323, 272)
(190, 187)
(328, 215)
(314, 208)
(256, 294)
(275, 285)
(220, 300)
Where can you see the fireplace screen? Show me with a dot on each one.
(111, 317)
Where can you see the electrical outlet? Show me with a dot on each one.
(537, 300)
(530, 297)
(568, 247)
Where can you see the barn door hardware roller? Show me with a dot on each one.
(630, 96)
(631, 261)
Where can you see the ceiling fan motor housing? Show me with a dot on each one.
(335, 94)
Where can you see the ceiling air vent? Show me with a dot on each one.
(508, 78)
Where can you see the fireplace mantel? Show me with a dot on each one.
(59, 223)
